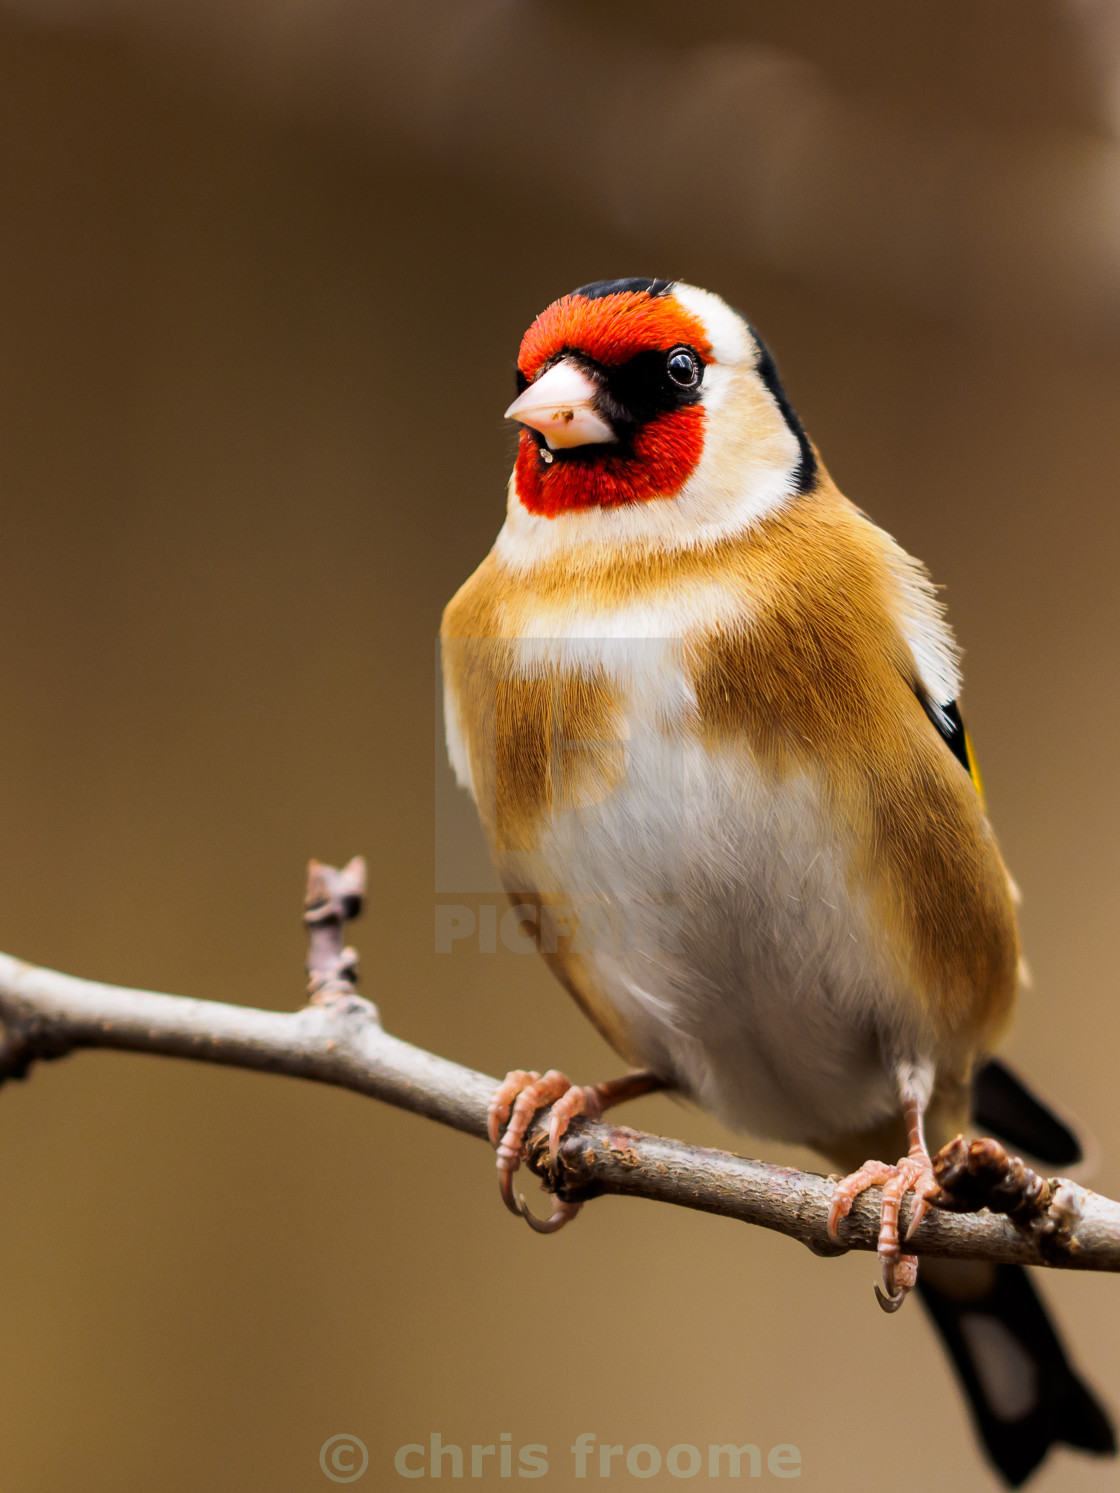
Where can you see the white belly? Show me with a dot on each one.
(714, 910)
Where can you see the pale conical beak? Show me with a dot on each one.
(561, 405)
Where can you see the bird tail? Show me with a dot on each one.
(1003, 1105)
(1022, 1391)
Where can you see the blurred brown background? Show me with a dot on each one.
(263, 273)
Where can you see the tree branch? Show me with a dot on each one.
(337, 1038)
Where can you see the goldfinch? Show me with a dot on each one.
(707, 711)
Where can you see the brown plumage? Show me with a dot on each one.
(809, 673)
(707, 711)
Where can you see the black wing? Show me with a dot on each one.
(947, 723)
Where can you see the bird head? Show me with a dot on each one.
(634, 392)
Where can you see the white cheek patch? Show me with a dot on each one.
(719, 381)
(726, 329)
(742, 476)
(736, 484)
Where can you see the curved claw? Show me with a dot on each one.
(900, 1276)
(893, 1302)
(919, 1209)
(513, 1202)
(524, 1092)
(913, 1175)
(561, 1214)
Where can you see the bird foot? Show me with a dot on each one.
(516, 1100)
(913, 1174)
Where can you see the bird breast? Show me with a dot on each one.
(700, 908)
(758, 867)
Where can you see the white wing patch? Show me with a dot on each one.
(456, 744)
(927, 633)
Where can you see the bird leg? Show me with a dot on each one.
(914, 1174)
(517, 1099)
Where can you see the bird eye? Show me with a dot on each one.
(684, 367)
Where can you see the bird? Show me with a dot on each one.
(709, 714)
